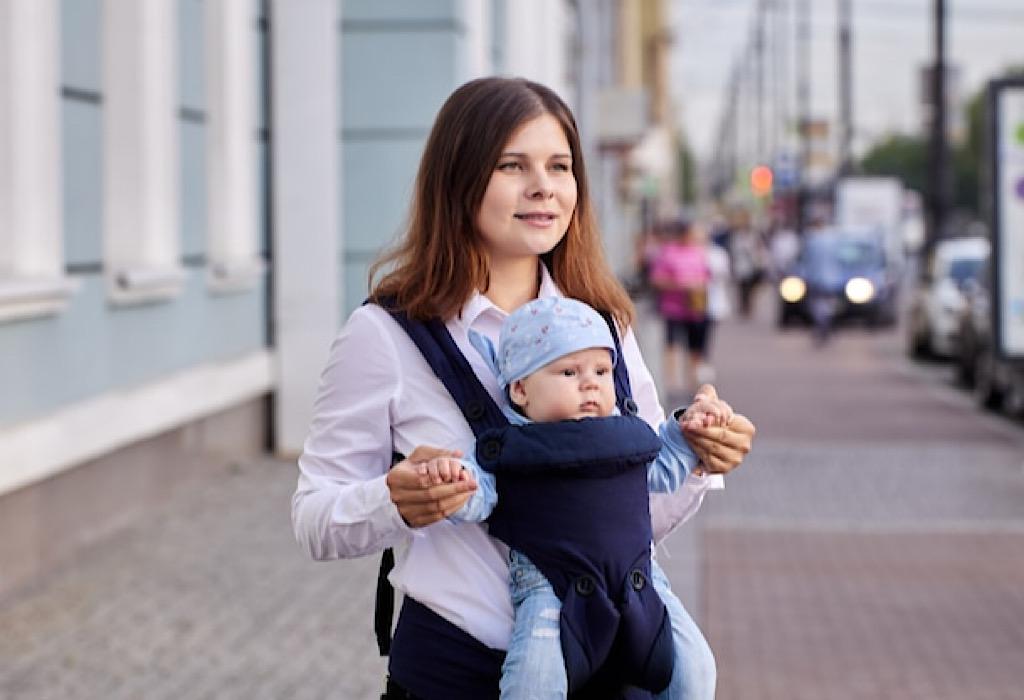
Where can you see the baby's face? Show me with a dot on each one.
(578, 385)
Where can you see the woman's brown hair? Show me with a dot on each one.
(440, 261)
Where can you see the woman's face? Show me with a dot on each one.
(531, 195)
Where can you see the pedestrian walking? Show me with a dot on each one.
(501, 215)
(719, 300)
(681, 275)
(747, 252)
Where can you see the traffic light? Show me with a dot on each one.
(761, 180)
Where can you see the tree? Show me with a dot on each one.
(899, 155)
(687, 169)
(906, 157)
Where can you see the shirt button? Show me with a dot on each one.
(629, 406)
(637, 579)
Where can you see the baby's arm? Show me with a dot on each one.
(483, 500)
(675, 460)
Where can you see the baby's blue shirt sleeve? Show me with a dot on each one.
(675, 460)
(482, 502)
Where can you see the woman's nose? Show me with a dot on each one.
(540, 187)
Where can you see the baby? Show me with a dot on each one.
(556, 363)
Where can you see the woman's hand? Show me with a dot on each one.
(420, 502)
(720, 437)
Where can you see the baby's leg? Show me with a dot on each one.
(533, 667)
(694, 675)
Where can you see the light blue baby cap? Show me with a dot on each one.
(540, 332)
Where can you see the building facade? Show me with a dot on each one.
(191, 194)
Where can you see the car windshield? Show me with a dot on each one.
(846, 253)
(965, 269)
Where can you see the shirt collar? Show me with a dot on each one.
(479, 305)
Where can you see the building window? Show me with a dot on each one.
(32, 280)
(232, 170)
(140, 169)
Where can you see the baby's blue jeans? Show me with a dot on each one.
(534, 669)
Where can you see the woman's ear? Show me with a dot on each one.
(517, 393)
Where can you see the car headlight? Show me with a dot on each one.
(792, 289)
(860, 290)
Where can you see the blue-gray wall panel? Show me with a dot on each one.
(396, 80)
(354, 287)
(82, 153)
(377, 189)
(401, 10)
(193, 188)
(80, 58)
(190, 54)
(92, 348)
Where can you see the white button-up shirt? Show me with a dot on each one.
(377, 394)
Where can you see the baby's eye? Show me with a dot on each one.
(601, 371)
(568, 372)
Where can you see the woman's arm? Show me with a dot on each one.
(347, 503)
(724, 449)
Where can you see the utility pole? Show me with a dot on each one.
(938, 153)
(803, 71)
(759, 68)
(781, 81)
(845, 64)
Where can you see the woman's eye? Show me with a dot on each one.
(561, 167)
(510, 165)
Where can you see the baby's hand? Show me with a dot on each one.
(705, 413)
(441, 470)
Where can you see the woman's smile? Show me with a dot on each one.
(539, 219)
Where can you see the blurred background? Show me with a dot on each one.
(191, 193)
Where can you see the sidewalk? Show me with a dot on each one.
(209, 598)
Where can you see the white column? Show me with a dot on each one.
(141, 152)
(538, 34)
(231, 167)
(305, 145)
(31, 235)
(476, 59)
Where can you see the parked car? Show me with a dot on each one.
(849, 270)
(937, 301)
(995, 382)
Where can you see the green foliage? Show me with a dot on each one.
(898, 155)
(906, 157)
(687, 170)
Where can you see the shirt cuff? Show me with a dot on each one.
(377, 491)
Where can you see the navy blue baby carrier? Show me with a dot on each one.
(614, 629)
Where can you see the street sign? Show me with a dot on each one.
(1006, 114)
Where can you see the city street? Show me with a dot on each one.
(872, 547)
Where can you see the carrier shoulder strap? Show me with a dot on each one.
(623, 390)
(438, 348)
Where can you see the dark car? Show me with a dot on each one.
(996, 382)
(846, 271)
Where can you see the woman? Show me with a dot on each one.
(501, 215)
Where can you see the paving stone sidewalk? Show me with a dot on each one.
(208, 598)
